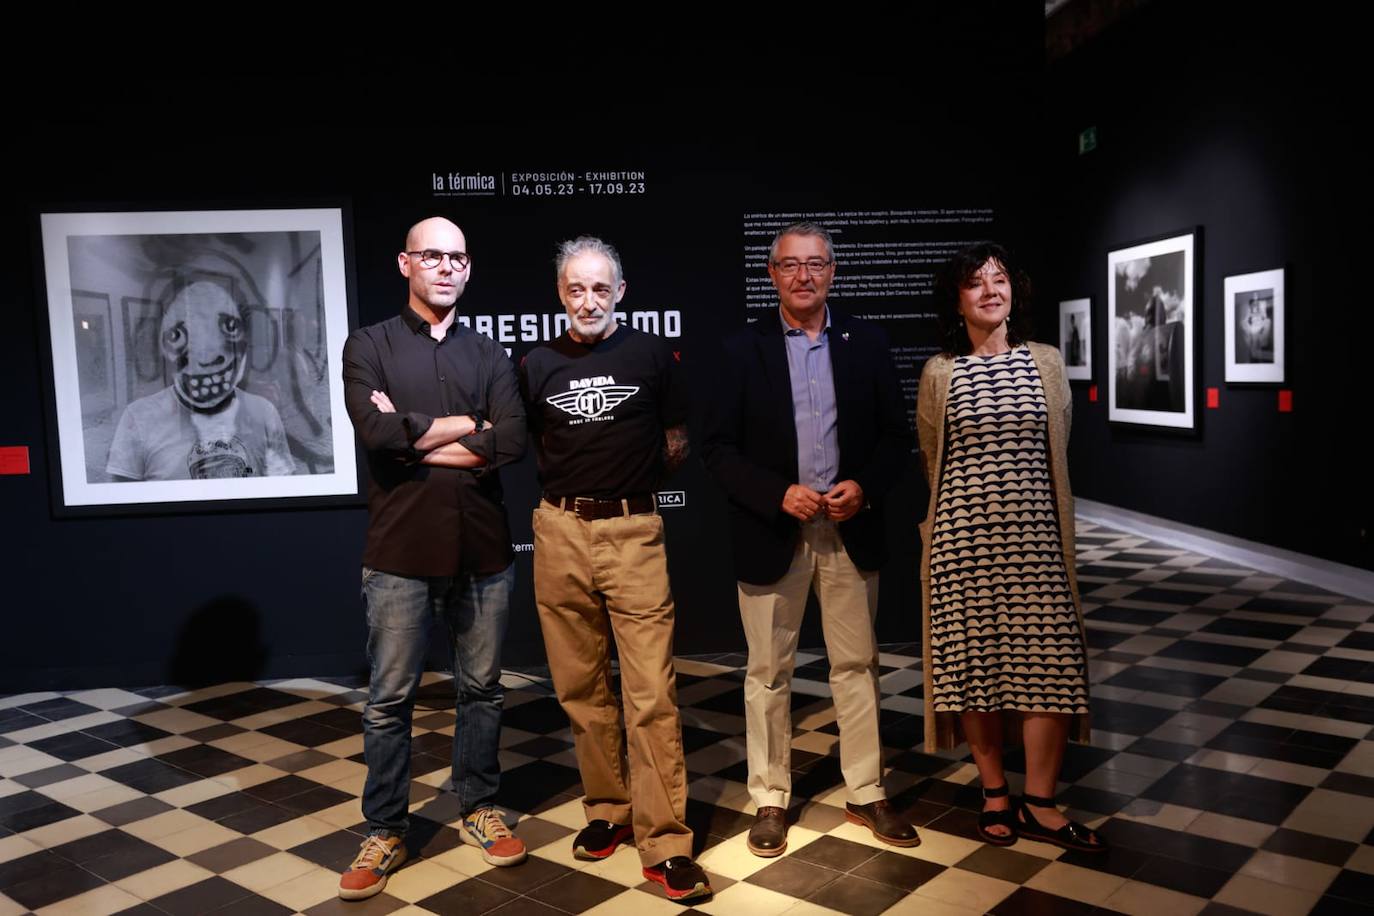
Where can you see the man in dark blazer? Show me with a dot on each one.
(807, 436)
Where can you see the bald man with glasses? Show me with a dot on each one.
(438, 409)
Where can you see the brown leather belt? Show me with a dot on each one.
(590, 510)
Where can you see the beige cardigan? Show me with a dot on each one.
(942, 730)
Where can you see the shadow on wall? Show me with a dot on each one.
(220, 643)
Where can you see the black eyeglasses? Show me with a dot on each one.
(430, 258)
(789, 266)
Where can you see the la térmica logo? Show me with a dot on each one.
(591, 398)
(462, 184)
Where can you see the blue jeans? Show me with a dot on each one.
(400, 611)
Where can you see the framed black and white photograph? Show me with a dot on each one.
(1075, 339)
(1254, 327)
(195, 356)
(1151, 298)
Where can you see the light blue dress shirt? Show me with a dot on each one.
(813, 405)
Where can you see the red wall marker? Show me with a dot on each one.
(14, 459)
(1285, 401)
(1092, 393)
(1213, 398)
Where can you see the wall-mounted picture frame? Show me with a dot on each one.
(1076, 339)
(1255, 320)
(1151, 329)
(194, 358)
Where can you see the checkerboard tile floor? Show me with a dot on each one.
(1232, 768)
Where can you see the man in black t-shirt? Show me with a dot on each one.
(607, 410)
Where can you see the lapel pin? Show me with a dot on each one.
(844, 335)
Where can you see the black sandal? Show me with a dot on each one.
(1006, 818)
(1073, 835)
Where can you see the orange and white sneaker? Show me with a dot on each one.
(378, 857)
(485, 829)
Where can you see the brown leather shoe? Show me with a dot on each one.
(768, 836)
(886, 824)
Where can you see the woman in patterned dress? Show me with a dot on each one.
(1003, 647)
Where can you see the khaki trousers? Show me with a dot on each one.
(594, 580)
(772, 616)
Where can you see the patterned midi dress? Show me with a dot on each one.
(1004, 630)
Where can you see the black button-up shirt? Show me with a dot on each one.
(425, 520)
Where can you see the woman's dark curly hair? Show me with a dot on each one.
(956, 273)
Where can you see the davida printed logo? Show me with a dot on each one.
(592, 398)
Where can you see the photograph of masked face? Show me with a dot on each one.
(199, 355)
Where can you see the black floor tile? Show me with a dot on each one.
(793, 877)
(316, 799)
(306, 734)
(55, 710)
(856, 896)
(1128, 718)
(253, 905)
(1309, 846)
(472, 897)
(1006, 864)
(1212, 652)
(1284, 606)
(1169, 596)
(1352, 885)
(1027, 901)
(275, 790)
(150, 776)
(1201, 577)
(335, 851)
(576, 892)
(38, 816)
(126, 733)
(903, 872)
(205, 760)
(1344, 669)
(259, 817)
(130, 811)
(1268, 801)
(53, 886)
(1185, 877)
(1175, 845)
(1165, 680)
(833, 852)
(72, 746)
(1110, 613)
(1252, 629)
(29, 867)
(201, 898)
(35, 779)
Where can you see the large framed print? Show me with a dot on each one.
(1151, 299)
(194, 357)
(1076, 339)
(1255, 320)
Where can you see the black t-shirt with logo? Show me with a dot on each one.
(598, 412)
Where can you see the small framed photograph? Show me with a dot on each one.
(1151, 309)
(1254, 327)
(1076, 339)
(194, 358)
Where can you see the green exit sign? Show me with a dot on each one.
(1087, 140)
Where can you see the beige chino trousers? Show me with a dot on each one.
(772, 616)
(605, 579)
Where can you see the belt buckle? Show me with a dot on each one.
(579, 502)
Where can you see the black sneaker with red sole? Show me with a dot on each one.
(600, 838)
(682, 879)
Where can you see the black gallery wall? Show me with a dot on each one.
(204, 596)
(1201, 122)
(1239, 121)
